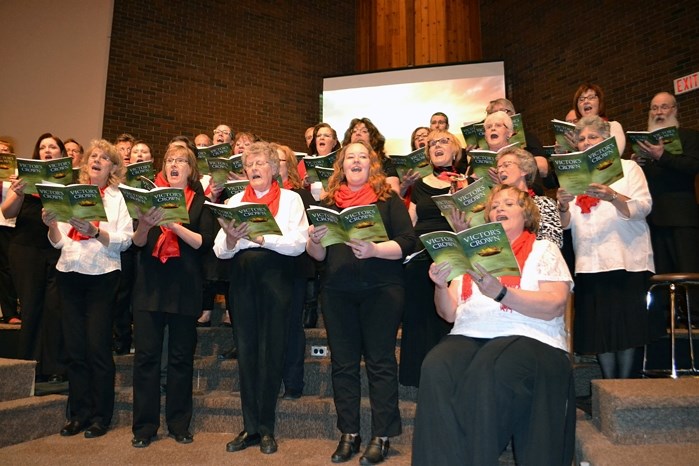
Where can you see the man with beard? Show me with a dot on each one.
(674, 220)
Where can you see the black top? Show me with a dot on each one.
(671, 184)
(388, 167)
(344, 271)
(176, 286)
(30, 230)
(429, 217)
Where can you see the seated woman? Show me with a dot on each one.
(504, 370)
(362, 298)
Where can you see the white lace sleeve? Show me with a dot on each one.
(552, 267)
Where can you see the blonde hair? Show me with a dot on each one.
(117, 176)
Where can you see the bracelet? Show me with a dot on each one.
(501, 295)
(614, 196)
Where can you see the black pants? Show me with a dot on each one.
(8, 295)
(87, 326)
(41, 336)
(261, 282)
(365, 323)
(149, 328)
(296, 339)
(477, 394)
(123, 316)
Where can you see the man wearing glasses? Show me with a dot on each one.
(674, 220)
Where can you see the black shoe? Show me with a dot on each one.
(376, 451)
(204, 324)
(291, 395)
(141, 442)
(347, 448)
(56, 378)
(95, 430)
(72, 428)
(242, 441)
(184, 437)
(268, 445)
(230, 354)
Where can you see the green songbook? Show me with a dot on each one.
(359, 222)
(470, 200)
(81, 201)
(34, 171)
(600, 163)
(171, 200)
(258, 217)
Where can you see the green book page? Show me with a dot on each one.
(259, 219)
(324, 175)
(488, 246)
(470, 135)
(234, 187)
(480, 136)
(219, 168)
(518, 130)
(560, 129)
(136, 171)
(55, 199)
(572, 171)
(221, 211)
(364, 223)
(173, 203)
(8, 166)
(472, 200)
(444, 246)
(416, 161)
(218, 150)
(136, 200)
(481, 161)
(32, 171)
(604, 162)
(319, 216)
(86, 202)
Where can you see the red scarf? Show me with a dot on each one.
(77, 236)
(586, 203)
(345, 197)
(167, 245)
(449, 175)
(521, 246)
(271, 198)
(287, 184)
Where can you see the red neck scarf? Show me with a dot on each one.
(271, 198)
(451, 176)
(167, 245)
(345, 197)
(521, 246)
(287, 184)
(586, 203)
(77, 236)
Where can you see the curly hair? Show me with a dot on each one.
(376, 139)
(377, 179)
(525, 160)
(117, 176)
(525, 201)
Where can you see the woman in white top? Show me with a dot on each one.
(503, 372)
(88, 278)
(613, 260)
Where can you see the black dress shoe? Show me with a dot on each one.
(204, 324)
(376, 451)
(183, 437)
(120, 349)
(347, 448)
(230, 354)
(95, 430)
(242, 441)
(72, 428)
(291, 395)
(268, 445)
(141, 442)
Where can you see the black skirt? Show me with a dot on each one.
(610, 311)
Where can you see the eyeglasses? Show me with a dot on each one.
(420, 136)
(663, 107)
(442, 141)
(257, 163)
(176, 162)
(495, 125)
(222, 131)
(506, 164)
(590, 97)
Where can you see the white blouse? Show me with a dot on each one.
(483, 317)
(605, 240)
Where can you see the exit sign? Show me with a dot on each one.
(687, 83)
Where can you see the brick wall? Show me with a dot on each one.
(185, 66)
(632, 49)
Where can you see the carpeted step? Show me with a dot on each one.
(16, 379)
(30, 418)
(307, 417)
(596, 449)
(647, 411)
